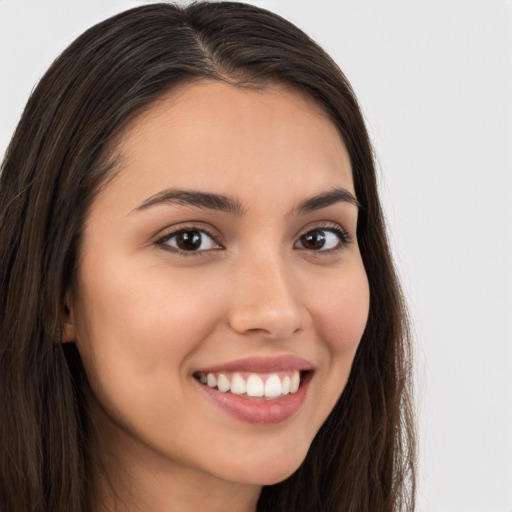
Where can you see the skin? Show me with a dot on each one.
(145, 317)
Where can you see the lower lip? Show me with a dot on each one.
(260, 411)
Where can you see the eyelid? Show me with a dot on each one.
(343, 234)
(324, 224)
(345, 237)
(172, 231)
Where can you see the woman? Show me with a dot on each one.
(198, 306)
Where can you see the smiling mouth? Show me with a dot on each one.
(260, 390)
(255, 385)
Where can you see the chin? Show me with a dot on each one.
(279, 476)
(270, 471)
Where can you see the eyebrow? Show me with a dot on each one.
(193, 198)
(234, 206)
(325, 199)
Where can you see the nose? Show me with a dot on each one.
(267, 299)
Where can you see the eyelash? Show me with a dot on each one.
(163, 241)
(343, 236)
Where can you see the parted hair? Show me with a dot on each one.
(363, 457)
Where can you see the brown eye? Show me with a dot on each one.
(323, 240)
(313, 240)
(189, 240)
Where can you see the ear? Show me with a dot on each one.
(68, 330)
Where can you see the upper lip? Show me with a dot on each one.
(262, 364)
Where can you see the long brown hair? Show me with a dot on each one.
(61, 153)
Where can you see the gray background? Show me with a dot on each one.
(435, 81)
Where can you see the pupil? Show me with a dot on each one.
(313, 239)
(189, 240)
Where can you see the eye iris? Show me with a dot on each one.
(314, 239)
(188, 240)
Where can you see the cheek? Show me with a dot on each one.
(342, 312)
(340, 316)
(148, 311)
(339, 310)
(137, 331)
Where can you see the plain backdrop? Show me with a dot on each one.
(434, 78)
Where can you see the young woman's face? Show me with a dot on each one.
(223, 254)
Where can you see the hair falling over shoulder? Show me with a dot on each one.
(363, 458)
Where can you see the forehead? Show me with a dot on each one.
(211, 135)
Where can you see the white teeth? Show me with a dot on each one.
(285, 385)
(255, 386)
(273, 387)
(238, 386)
(211, 380)
(294, 382)
(223, 383)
